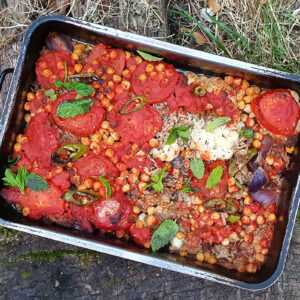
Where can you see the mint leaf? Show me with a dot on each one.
(106, 185)
(164, 234)
(18, 180)
(176, 132)
(214, 177)
(13, 161)
(247, 132)
(59, 84)
(81, 88)
(187, 188)
(157, 183)
(73, 108)
(148, 56)
(36, 183)
(217, 123)
(197, 167)
(51, 94)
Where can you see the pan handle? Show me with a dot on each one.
(3, 75)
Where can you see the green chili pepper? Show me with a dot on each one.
(80, 198)
(68, 153)
(198, 91)
(234, 218)
(138, 102)
(221, 205)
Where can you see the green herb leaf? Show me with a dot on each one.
(188, 189)
(164, 234)
(233, 168)
(233, 218)
(107, 186)
(239, 185)
(217, 123)
(13, 161)
(176, 132)
(18, 180)
(51, 94)
(66, 71)
(197, 167)
(59, 84)
(81, 88)
(148, 56)
(157, 180)
(36, 183)
(252, 152)
(247, 132)
(214, 177)
(73, 108)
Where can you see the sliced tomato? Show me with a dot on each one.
(94, 165)
(137, 127)
(185, 98)
(157, 85)
(219, 190)
(102, 57)
(46, 203)
(138, 162)
(51, 66)
(277, 111)
(43, 139)
(140, 235)
(113, 214)
(81, 125)
(61, 180)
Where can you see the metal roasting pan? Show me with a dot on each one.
(185, 59)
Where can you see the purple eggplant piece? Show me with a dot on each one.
(177, 162)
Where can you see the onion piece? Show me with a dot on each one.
(258, 180)
(265, 197)
(266, 144)
(177, 162)
(56, 42)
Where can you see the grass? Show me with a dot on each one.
(266, 34)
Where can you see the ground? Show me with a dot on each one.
(36, 268)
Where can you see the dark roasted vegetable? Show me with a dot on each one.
(258, 180)
(265, 197)
(85, 78)
(68, 153)
(80, 198)
(221, 205)
(56, 42)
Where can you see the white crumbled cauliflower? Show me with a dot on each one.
(176, 243)
(167, 152)
(218, 144)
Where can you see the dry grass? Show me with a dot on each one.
(270, 33)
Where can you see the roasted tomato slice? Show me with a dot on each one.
(51, 66)
(137, 127)
(219, 190)
(155, 80)
(277, 111)
(81, 125)
(113, 214)
(102, 57)
(43, 139)
(46, 203)
(94, 165)
(141, 236)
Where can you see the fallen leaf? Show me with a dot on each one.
(198, 37)
(213, 5)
